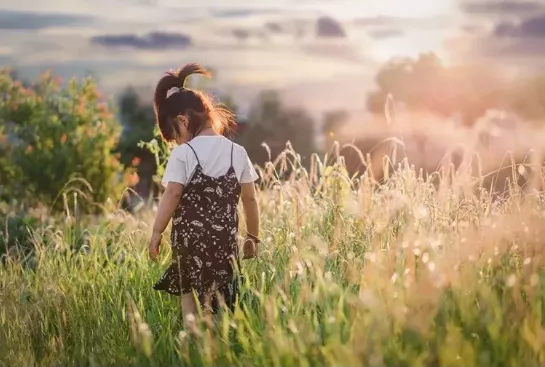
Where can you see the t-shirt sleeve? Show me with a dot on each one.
(248, 172)
(176, 168)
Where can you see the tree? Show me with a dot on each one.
(272, 123)
(138, 122)
(53, 137)
(425, 84)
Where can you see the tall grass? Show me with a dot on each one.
(350, 272)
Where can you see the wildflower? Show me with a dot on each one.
(136, 161)
(63, 138)
(81, 106)
(102, 107)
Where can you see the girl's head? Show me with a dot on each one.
(183, 113)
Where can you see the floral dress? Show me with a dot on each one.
(204, 239)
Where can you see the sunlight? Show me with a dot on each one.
(391, 8)
(409, 46)
(423, 25)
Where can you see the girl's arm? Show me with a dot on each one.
(167, 206)
(251, 213)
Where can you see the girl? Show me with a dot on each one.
(205, 176)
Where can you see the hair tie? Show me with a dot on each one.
(172, 91)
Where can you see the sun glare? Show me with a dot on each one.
(390, 8)
(409, 46)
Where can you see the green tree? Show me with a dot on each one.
(138, 125)
(54, 139)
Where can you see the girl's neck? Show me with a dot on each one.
(209, 131)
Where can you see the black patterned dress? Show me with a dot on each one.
(204, 239)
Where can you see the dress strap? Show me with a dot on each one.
(232, 148)
(196, 156)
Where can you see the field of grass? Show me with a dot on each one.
(405, 273)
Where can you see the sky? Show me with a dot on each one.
(321, 54)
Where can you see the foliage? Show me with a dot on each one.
(426, 84)
(272, 123)
(160, 151)
(138, 121)
(392, 274)
(17, 229)
(54, 140)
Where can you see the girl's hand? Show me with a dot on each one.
(249, 248)
(154, 245)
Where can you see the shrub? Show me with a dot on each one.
(56, 139)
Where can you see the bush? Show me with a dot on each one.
(54, 140)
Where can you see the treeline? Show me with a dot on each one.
(265, 132)
(465, 91)
(68, 139)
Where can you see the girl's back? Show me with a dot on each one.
(213, 152)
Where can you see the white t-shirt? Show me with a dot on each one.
(214, 155)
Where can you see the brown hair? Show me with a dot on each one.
(196, 105)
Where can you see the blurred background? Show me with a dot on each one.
(311, 72)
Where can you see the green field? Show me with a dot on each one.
(405, 273)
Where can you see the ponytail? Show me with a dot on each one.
(191, 69)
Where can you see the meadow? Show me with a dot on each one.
(412, 270)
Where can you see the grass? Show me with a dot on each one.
(405, 272)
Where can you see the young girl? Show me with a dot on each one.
(205, 176)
